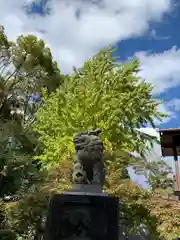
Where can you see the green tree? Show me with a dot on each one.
(26, 66)
(102, 94)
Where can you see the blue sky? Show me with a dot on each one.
(75, 30)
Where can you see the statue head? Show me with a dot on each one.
(89, 144)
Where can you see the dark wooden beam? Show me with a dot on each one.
(170, 147)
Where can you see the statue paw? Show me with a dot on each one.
(79, 175)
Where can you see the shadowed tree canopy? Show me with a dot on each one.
(26, 66)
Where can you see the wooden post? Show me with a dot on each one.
(176, 167)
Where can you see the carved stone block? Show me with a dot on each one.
(74, 216)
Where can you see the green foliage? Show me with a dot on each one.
(26, 66)
(160, 175)
(102, 94)
(7, 234)
(157, 172)
(34, 60)
(17, 174)
(166, 210)
(27, 216)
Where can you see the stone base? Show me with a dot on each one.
(75, 216)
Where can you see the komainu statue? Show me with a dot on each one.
(89, 158)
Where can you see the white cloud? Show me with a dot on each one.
(73, 39)
(154, 35)
(174, 104)
(161, 69)
(150, 131)
(155, 154)
(165, 108)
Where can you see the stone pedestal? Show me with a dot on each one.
(82, 214)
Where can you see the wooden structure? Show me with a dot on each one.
(170, 147)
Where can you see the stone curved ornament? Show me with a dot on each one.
(89, 158)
